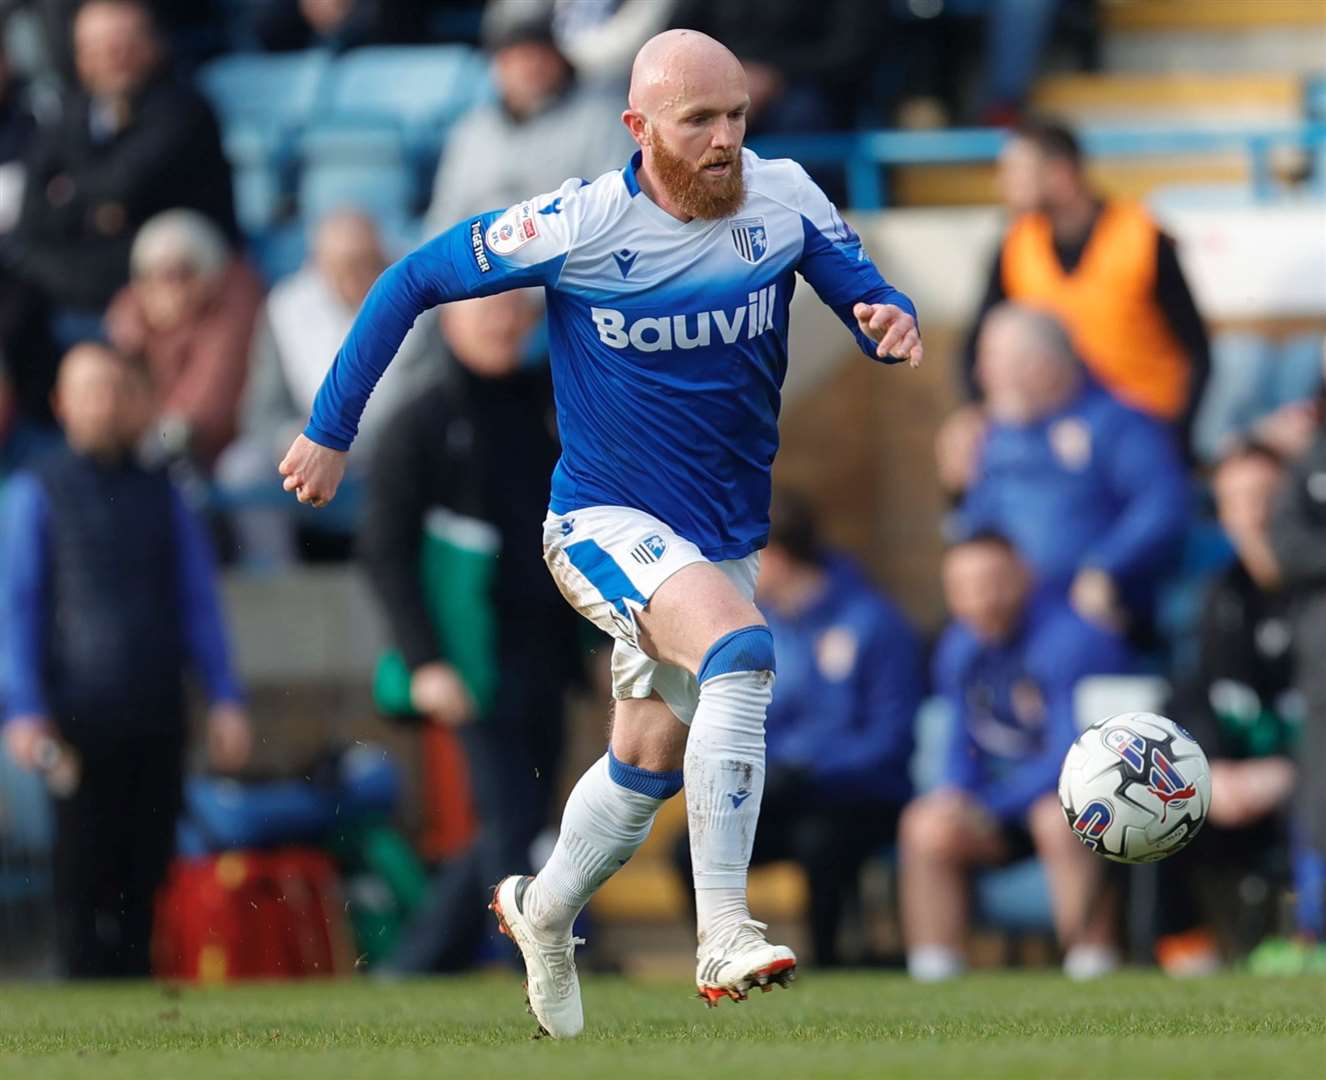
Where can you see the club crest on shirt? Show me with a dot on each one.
(513, 230)
(1070, 440)
(750, 239)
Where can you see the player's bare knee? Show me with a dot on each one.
(647, 735)
(928, 830)
(1049, 831)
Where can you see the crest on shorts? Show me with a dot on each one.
(750, 239)
(649, 550)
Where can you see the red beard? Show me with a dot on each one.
(695, 194)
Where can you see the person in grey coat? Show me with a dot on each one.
(544, 127)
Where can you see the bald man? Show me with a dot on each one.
(667, 291)
(1093, 493)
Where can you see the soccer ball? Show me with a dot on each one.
(1135, 787)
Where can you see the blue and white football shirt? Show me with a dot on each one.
(668, 338)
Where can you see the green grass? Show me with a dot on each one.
(877, 1026)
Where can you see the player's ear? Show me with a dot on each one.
(635, 123)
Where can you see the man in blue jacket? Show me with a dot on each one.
(107, 597)
(1007, 668)
(1092, 494)
(838, 737)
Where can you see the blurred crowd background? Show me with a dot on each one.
(246, 739)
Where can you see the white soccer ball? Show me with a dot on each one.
(1135, 787)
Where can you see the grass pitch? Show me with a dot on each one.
(851, 1025)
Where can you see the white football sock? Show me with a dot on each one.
(724, 772)
(602, 826)
(1084, 962)
(934, 963)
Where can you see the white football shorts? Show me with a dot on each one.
(608, 561)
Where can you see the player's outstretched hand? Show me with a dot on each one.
(312, 472)
(893, 328)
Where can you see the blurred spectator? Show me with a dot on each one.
(804, 63)
(339, 24)
(598, 37)
(1105, 269)
(1007, 668)
(133, 142)
(18, 127)
(544, 129)
(304, 321)
(451, 539)
(839, 732)
(109, 597)
(1298, 539)
(1093, 494)
(1242, 707)
(190, 312)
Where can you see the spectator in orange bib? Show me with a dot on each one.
(1105, 269)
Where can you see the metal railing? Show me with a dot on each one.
(866, 155)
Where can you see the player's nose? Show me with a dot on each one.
(725, 135)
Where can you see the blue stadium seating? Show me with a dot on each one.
(262, 102)
(422, 88)
(267, 91)
(279, 250)
(360, 164)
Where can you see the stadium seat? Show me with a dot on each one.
(265, 91)
(26, 825)
(421, 88)
(356, 163)
(256, 162)
(278, 251)
(1015, 898)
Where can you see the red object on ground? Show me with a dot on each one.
(449, 824)
(251, 915)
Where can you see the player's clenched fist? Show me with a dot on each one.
(893, 328)
(312, 472)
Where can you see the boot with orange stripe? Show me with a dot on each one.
(732, 964)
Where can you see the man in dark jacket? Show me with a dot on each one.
(108, 597)
(133, 142)
(451, 541)
(1241, 705)
(839, 730)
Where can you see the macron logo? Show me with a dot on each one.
(738, 797)
(695, 331)
(625, 260)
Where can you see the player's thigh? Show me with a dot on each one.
(949, 825)
(647, 734)
(1050, 833)
(690, 611)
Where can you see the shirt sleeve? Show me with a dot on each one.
(1176, 302)
(837, 266)
(493, 252)
(962, 763)
(1147, 477)
(888, 694)
(24, 585)
(204, 625)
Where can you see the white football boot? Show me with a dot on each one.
(740, 960)
(552, 988)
